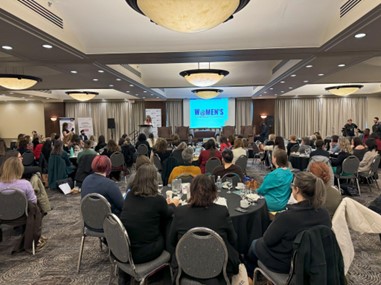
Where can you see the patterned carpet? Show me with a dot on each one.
(56, 262)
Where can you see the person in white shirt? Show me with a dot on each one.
(238, 150)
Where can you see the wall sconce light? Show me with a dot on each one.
(53, 118)
(263, 116)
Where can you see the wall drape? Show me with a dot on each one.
(174, 113)
(127, 116)
(303, 117)
(243, 113)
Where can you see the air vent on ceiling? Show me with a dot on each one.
(347, 6)
(131, 69)
(42, 11)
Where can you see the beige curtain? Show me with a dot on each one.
(174, 113)
(243, 113)
(303, 117)
(127, 116)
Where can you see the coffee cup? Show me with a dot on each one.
(240, 185)
(244, 204)
(169, 194)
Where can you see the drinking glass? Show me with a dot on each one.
(229, 184)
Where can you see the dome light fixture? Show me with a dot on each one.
(18, 81)
(188, 16)
(343, 90)
(82, 96)
(207, 93)
(204, 77)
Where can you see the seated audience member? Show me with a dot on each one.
(276, 186)
(110, 148)
(141, 160)
(87, 150)
(292, 141)
(161, 149)
(145, 215)
(313, 140)
(333, 195)
(187, 167)
(319, 149)
(224, 143)
(98, 182)
(358, 148)
(305, 147)
(122, 139)
(177, 153)
(335, 147)
(151, 140)
(275, 248)
(269, 143)
(101, 144)
(365, 135)
(142, 139)
(366, 162)
(279, 143)
(344, 152)
(93, 141)
(238, 149)
(210, 151)
(46, 149)
(59, 165)
(37, 147)
(129, 152)
(201, 211)
(28, 170)
(23, 145)
(227, 165)
(12, 171)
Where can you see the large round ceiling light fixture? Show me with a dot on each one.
(204, 77)
(188, 16)
(344, 90)
(18, 81)
(207, 93)
(82, 96)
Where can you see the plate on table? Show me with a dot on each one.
(225, 185)
(252, 197)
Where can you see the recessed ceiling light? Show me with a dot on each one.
(293, 75)
(144, 97)
(360, 35)
(47, 46)
(118, 79)
(321, 74)
(265, 92)
(7, 47)
(101, 71)
(157, 97)
(305, 81)
(282, 91)
(271, 88)
(136, 94)
(289, 87)
(131, 85)
(74, 71)
(309, 66)
(283, 81)
(145, 91)
(341, 65)
(111, 85)
(95, 79)
(128, 91)
(276, 94)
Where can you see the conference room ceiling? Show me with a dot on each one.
(122, 55)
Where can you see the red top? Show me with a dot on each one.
(37, 151)
(204, 156)
(378, 141)
(224, 145)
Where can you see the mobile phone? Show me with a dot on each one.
(239, 209)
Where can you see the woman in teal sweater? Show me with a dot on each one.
(276, 187)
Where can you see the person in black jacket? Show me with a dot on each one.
(319, 149)
(275, 248)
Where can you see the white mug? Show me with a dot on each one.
(169, 194)
(244, 204)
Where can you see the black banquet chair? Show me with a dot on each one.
(201, 254)
(94, 209)
(242, 163)
(212, 164)
(120, 252)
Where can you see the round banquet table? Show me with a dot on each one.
(249, 225)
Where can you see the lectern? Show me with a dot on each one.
(145, 129)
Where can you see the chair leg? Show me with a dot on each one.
(358, 185)
(33, 247)
(338, 183)
(80, 252)
(100, 243)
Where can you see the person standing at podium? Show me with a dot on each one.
(148, 120)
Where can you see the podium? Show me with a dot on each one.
(145, 129)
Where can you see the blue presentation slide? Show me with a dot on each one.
(212, 113)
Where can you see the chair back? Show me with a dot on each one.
(185, 177)
(142, 149)
(350, 165)
(117, 239)
(294, 148)
(94, 209)
(13, 204)
(183, 133)
(242, 162)
(211, 164)
(227, 131)
(157, 162)
(164, 132)
(117, 159)
(375, 164)
(235, 177)
(28, 158)
(201, 253)
(247, 131)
